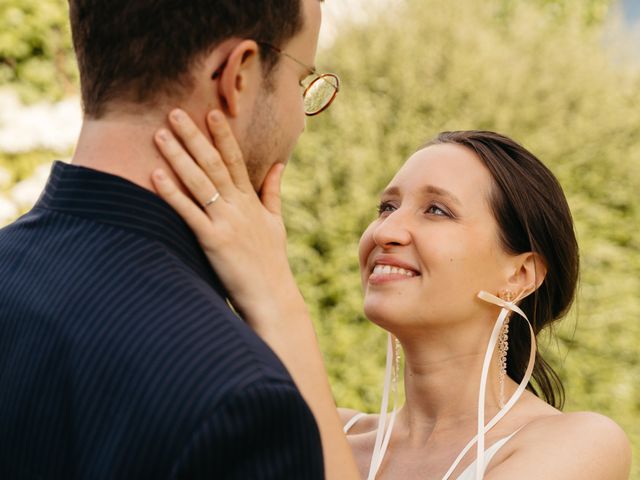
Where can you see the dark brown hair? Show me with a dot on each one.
(140, 50)
(533, 216)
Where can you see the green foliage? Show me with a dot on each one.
(437, 65)
(22, 165)
(591, 12)
(36, 55)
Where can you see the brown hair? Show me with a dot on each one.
(533, 216)
(139, 50)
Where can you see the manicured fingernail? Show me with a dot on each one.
(160, 175)
(178, 115)
(162, 135)
(215, 116)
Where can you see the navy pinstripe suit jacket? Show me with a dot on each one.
(119, 357)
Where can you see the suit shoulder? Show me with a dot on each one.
(272, 420)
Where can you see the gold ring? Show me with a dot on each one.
(212, 200)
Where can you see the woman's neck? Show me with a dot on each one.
(442, 381)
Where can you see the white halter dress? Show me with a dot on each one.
(469, 473)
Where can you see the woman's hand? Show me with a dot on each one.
(242, 235)
(244, 238)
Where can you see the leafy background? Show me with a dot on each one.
(541, 71)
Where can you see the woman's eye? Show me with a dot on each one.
(385, 208)
(436, 210)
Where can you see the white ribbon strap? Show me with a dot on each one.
(382, 436)
(506, 307)
(352, 421)
(482, 429)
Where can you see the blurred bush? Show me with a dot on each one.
(37, 63)
(36, 56)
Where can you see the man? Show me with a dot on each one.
(119, 357)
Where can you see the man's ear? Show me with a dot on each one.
(240, 77)
(529, 272)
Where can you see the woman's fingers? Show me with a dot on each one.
(197, 220)
(200, 149)
(270, 194)
(191, 175)
(229, 149)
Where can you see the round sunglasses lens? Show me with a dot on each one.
(319, 93)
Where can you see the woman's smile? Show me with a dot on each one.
(387, 273)
(387, 268)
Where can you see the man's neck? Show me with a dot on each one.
(121, 146)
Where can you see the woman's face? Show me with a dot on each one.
(435, 243)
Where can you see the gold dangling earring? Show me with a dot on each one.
(396, 361)
(503, 346)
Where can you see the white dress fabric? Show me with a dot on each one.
(469, 473)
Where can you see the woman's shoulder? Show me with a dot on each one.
(573, 445)
(347, 414)
(581, 427)
(364, 422)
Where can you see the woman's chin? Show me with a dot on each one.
(383, 314)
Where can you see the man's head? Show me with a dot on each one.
(142, 56)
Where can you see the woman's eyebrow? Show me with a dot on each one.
(426, 190)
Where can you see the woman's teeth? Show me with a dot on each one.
(389, 270)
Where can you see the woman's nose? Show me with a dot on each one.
(392, 230)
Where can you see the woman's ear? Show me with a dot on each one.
(529, 272)
(240, 77)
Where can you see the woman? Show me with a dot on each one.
(471, 228)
